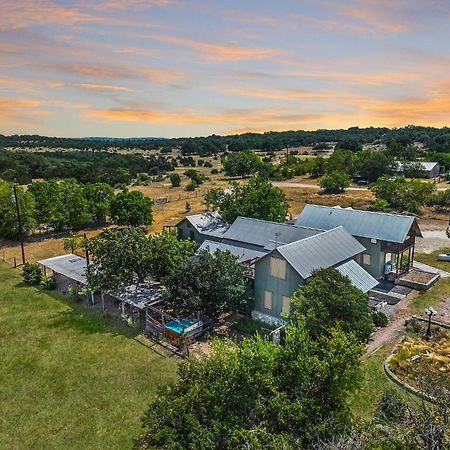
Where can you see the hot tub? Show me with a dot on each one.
(175, 328)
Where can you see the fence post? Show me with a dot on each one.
(15, 263)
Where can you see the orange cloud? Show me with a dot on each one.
(104, 87)
(220, 52)
(20, 111)
(288, 94)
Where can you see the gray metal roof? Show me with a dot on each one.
(367, 224)
(357, 275)
(71, 266)
(209, 223)
(140, 295)
(426, 165)
(266, 234)
(241, 251)
(321, 251)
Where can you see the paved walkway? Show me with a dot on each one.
(427, 268)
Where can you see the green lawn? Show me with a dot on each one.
(68, 378)
(431, 259)
(363, 401)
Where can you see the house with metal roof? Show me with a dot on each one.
(280, 272)
(426, 169)
(388, 239)
(199, 227)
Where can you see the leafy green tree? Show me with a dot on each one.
(195, 176)
(373, 165)
(49, 208)
(402, 194)
(241, 164)
(167, 252)
(258, 199)
(75, 206)
(257, 395)
(327, 301)
(99, 197)
(342, 161)
(9, 226)
(175, 179)
(335, 182)
(73, 242)
(121, 256)
(131, 208)
(316, 166)
(208, 283)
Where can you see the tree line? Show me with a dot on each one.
(86, 167)
(70, 205)
(435, 139)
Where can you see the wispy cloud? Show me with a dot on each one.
(220, 52)
(104, 87)
(20, 111)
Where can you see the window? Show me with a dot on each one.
(278, 268)
(285, 305)
(267, 299)
(366, 259)
(373, 241)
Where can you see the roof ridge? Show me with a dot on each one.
(337, 208)
(313, 236)
(289, 225)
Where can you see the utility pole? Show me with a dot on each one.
(19, 220)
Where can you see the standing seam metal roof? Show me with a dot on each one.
(357, 275)
(366, 224)
(320, 251)
(209, 223)
(266, 234)
(240, 251)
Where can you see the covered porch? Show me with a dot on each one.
(399, 257)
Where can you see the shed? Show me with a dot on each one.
(199, 227)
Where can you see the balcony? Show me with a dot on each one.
(395, 247)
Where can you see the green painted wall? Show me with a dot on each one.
(377, 257)
(279, 288)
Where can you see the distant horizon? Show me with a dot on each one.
(212, 134)
(194, 68)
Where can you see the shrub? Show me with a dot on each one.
(207, 164)
(335, 182)
(175, 179)
(73, 293)
(47, 282)
(214, 172)
(381, 205)
(391, 407)
(192, 186)
(31, 274)
(379, 319)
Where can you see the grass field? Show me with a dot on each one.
(69, 378)
(374, 382)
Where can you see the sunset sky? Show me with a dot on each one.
(195, 67)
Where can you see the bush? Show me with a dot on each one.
(207, 164)
(73, 293)
(381, 205)
(391, 407)
(335, 182)
(192, 186)
(31, 274)
(214, 172)
(47, 282)
(175, 179)
(379, 319)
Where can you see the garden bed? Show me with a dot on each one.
(417, 358)
(418, 279)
